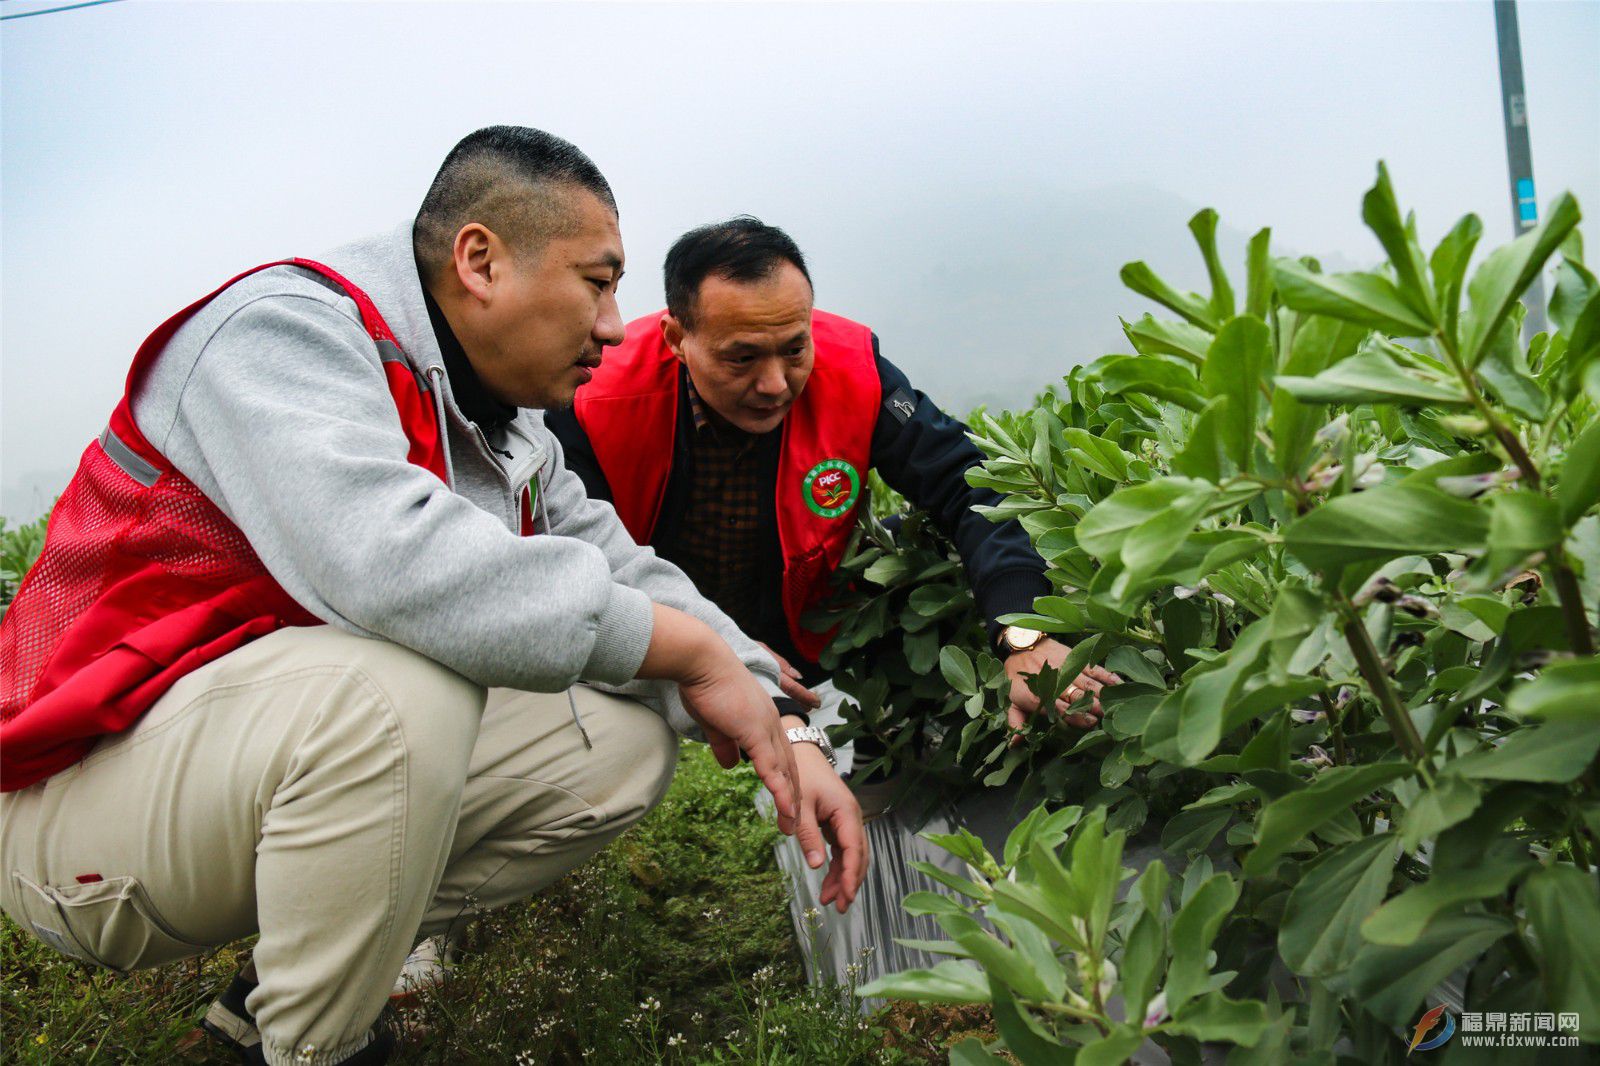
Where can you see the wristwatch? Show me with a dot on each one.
(811, 734)
(1019, 638)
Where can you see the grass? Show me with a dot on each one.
(672, 946)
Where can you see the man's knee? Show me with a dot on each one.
(426, 715)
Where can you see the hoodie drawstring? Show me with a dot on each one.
(436, 372)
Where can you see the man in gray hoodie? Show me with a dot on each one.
(483, 710)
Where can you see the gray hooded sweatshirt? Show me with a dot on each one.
(272, 400)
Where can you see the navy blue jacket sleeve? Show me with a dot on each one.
(924, 455)
(579, 454)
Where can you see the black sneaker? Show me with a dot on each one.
(230, 1023)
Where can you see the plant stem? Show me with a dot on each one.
(1571, 599)
(1336, 727)
(1566, 584)
(1377, 678)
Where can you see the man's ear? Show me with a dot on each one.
(672, 333)
(475, 255)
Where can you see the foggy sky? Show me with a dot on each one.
(965, 178)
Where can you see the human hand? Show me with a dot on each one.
(733, 710)
(789, 682)
(1083, 692)
(829, 811)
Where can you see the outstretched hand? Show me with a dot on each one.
(830, 813)
(1078, 706)
(736, 714)
(722, 695)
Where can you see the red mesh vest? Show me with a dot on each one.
(629, 410)
(142, 579)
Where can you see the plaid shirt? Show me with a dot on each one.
(721, 549)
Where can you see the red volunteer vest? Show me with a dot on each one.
(630, 412)
(142, 579)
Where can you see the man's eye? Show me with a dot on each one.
(601, 283)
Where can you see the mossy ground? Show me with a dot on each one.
(674, 946)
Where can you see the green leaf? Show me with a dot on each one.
(930, 903)
(1520, 524)
(1023, 1039)
(1382, 215)
(1151, 376)
(1193, 928)
(1318, 343)
(1564, 909)
(1386, 523)
(1144, 281)
(1188, 832)
(1204, 227)
(1579, 488)
(1002, 963)
(1565, 691)
(1112, 1049)
(1286, 821)
(1373, 376)
(1202, 455)
(1150, 336)
(948, 982)
(1099, 454)
(1555, 752)
(1238, 363)
(1216, 1017)
(1321, 929)
(1102, 531)
(1504, 368)
(1391, 982)
(1449, 802)
(1144, 952)
(1507, 273)
(1448, 265)
(1258, 298)
(957, 669)
(1401, 921)
(1155, 540)
(887, 570)
(1369, 300)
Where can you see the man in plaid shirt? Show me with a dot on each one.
(740, 322)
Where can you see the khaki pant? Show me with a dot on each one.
(340, 796)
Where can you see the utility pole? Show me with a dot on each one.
(1519, 157)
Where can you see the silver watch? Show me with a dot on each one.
(811, 734)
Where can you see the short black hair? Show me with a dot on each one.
(512, 179)
(742, 249)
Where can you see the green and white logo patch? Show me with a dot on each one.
(831, 488)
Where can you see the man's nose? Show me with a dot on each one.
(771, 382)
(609, 330)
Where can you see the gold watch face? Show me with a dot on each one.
(1018, 638)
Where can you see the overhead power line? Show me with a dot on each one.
(53, 10)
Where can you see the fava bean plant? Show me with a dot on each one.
(1339, 534)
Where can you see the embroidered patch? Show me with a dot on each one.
(902, 405)
(831, 487)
